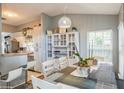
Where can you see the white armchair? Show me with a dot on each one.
(48, 67)
(63, 62)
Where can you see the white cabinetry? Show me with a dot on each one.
(62, 44)
(49, 46)
(73, 43)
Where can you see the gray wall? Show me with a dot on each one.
(85, 23)
(0, 29)
(46, 23)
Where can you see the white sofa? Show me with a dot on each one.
(50, 68)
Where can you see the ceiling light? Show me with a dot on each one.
(10, 14)
(64, 22)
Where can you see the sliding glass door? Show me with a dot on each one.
(100, 45)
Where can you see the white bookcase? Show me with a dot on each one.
(49, 46)
(62, 44)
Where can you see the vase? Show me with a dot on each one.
(94, 62)
(84, 71)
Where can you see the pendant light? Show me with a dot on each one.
(64, 22)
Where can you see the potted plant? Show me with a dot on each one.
(83, 65)
(92, 61)
(82, 62)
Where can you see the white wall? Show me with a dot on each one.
(0, 29)
(121, 43)
(41, 44)
(85, 23)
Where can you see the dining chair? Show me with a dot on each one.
(42, 84)
(14, 74)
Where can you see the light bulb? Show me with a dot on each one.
(64, 21)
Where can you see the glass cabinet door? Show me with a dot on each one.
(56, 40)
(71, 45)
(63, 40)
(49, 46)
(71, 37)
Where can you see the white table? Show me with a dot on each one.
(83, 73)
(80, 72)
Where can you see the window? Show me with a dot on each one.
(100, 44)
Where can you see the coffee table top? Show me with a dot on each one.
(85, 73)
(78, 73)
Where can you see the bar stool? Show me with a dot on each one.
(14, 74)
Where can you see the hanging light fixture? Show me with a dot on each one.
(64, 22)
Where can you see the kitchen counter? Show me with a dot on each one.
(13, 54)
(11, 61)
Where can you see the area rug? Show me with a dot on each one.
(77, 82)
(67, 70)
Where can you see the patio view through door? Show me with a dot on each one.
(100, 45)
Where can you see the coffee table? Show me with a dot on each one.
(81, 72)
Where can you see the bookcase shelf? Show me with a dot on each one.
(65, 44)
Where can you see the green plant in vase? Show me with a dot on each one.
(82, 62)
